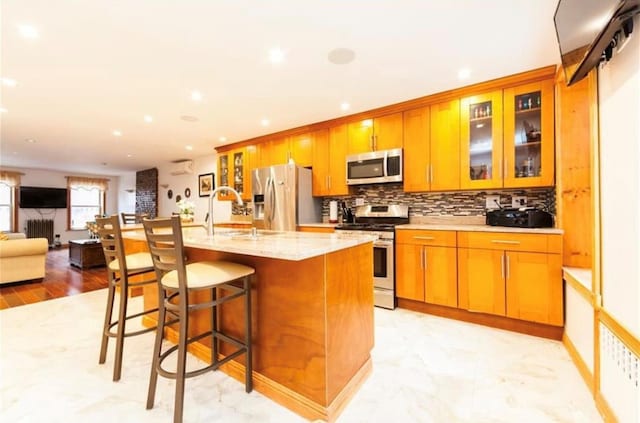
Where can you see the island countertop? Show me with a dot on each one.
(294, 246)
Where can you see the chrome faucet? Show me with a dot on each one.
(211, 197)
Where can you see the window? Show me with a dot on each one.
(86, 200)
(85, 204)
(8, 182)
(7, 203)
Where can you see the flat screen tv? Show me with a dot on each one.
(43, 198)
(585, 28)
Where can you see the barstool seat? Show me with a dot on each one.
(203, 275)
(120, 268)
(176, 280)
(135, 262)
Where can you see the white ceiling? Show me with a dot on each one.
(101, 65)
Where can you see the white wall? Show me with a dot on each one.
(179, 183)
(619, 104)
(56, 179)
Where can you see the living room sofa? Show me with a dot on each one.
(22, 258)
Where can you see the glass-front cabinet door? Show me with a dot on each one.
(529, 135)
(481, 141)
(224, 172)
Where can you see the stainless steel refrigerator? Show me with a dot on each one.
(282, 198)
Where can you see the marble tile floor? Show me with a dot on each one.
(426, 369)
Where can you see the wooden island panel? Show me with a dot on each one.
(312, 327)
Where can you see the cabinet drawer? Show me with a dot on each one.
(426, 237)
(542, 243)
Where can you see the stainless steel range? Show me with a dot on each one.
(380, 221)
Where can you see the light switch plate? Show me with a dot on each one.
(492, 202)
(518, 201)
(359, 201)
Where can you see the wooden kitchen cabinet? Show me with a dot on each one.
(301, 149)
(432, 147)
(507, 138)
(511, 274)
(329, 155)
(298, 148)
(274, 152)
(426, 267)
(234, 170)
(381, 133)
(529, 135)
(481, 141)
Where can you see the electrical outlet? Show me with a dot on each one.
(359, 201)
(492, 202)
(518, 201)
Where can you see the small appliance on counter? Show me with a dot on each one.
(525, 217)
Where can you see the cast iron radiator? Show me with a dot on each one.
(40, 228)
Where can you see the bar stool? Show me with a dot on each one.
(176, 280)
(120, 267)
(133, 217)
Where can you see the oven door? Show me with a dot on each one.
(383, 271)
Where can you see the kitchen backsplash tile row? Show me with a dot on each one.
(455, 203)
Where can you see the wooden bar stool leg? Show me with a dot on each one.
(182, 360)
(122, 319)
(247, 335)
(157, 347)
(107, 322)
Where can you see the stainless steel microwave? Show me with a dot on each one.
(375, 167)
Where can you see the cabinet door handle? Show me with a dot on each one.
(422, 260)
(504, 241)
(502, 265)
(426, 238)
(371, 143)
(424, 253)
(375, 142)
(329, 181)
(430, 173)
(427, 175)
(508, 267)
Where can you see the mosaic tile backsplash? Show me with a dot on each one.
(455, 203)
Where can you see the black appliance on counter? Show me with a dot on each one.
(527, 217)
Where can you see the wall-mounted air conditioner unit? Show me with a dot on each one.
(182, 168)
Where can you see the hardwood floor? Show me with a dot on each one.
(61, 280)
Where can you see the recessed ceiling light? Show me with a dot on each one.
(222, 139)
(464, 73)
(188, 118)
(148, 118)
(196, 96)
(103, 163)
(3, 110)
(30, 141)
(276, 55)
(341, 56)
(8, 82)
(264, 122)
(345, 106)
(188, 147)
(117, 133)
(28, 31)
(129, 155)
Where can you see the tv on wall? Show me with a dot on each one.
(586, 30)
(43, 198)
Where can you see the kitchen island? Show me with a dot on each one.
(312, 313)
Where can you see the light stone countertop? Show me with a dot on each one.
(479, 228)
(580, 275)
(319, 225)
(277, 245)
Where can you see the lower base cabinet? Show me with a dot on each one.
(515, 275)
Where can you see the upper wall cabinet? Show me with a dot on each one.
(381, 133)
(432, 147)
(481, 141)
(234, 170)
(329, 167)
(529, 135)
(507, 138)
(280, 150)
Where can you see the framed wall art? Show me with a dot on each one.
(206, 184)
